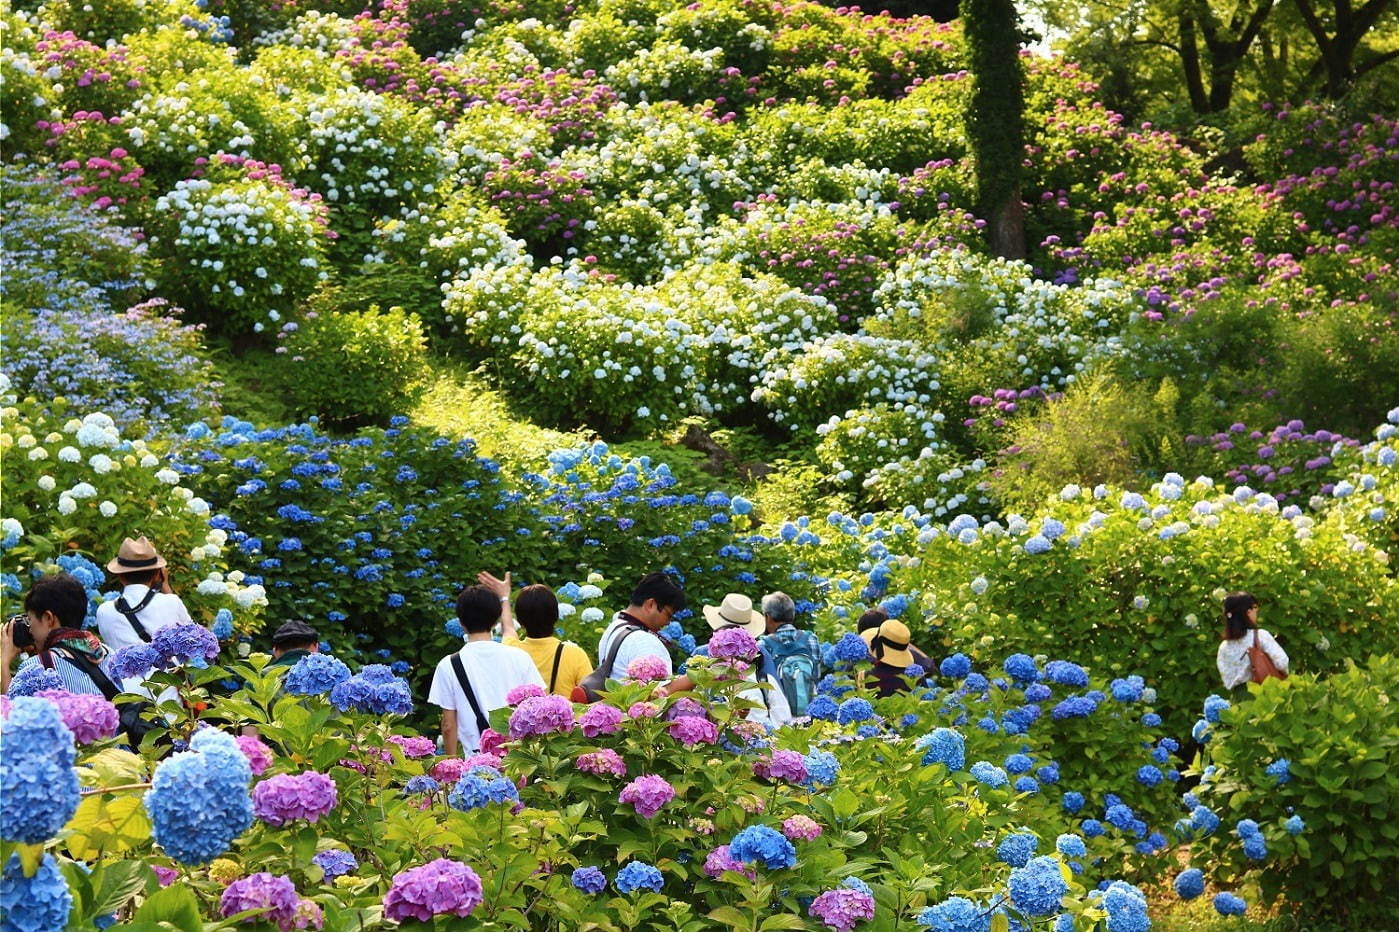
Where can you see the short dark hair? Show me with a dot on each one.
(138, 577)
(660, 587)
(871, 619)
(478, 609)
(537, 608)
(61, 594)
(1236, 606)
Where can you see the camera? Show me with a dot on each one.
(23, 637)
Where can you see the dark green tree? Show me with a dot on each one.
(996, 119)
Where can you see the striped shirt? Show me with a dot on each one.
(74, 679)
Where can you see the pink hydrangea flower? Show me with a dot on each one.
(287, 797)
(801, 828)
(449, 771)
(439, 888)
(600, 719)
(605, 762)
(522, 692)
(89, 717)
(648, 793)
(719, 860)
(647, 668)
(415, 746)
(166, 875)
(692, 730)
(541, 715)
(643, 710)
(258, 754)
(782, 765)
(841, 908)
(492, 742)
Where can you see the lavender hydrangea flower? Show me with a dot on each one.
(34, 678)
(541, 715)
(842, 908)
(691, 730)
(335, 862)
(288, 797)
(600, 719)
(733, 644)
(589, 880)
(185, 643)
(135, 661)
(648, 793)
(274, 895)
(439, 888)
(89, 717)
(782, 765)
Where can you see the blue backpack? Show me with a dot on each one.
(796, 657)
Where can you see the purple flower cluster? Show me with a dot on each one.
(720, 860)
(259, 755)
(90, 718)
(605, 762)
(691, 730)
(541, 715)
(782, 765)
(194, 644)
(600, 719)
(274, 896)
(288, 797)
(439, 888)
(842, 908)
(648, 793)
(733, 644)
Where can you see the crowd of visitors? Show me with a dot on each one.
(784, 669)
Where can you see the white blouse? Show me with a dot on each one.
(1232, 658)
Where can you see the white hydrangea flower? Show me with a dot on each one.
(107, 508)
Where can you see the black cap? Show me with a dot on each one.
(294, 632)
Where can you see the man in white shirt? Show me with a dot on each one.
(654, 600)
(146, 603)
(490, 671)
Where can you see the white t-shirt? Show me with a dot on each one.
(493, 670)
(638, 644)
(164, 609)
(1232, 658)
(775, 711)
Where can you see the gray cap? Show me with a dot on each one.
(294, 632)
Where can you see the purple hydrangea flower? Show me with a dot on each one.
(733, 644)
(841, 908)
(648, 793)
(782, 765)
(541, 715)
(186, 643)
(90, 718)
(600, 719)
(288, 797)
(274, 895)
(439, 888)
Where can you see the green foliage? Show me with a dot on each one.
(1340, 736)
(356, 367)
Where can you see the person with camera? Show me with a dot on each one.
(146, 603)
(51, 631)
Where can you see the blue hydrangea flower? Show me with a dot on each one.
(34, 903)
(421, 784)
(954, 914)
(1147, 775)
(1037, 692)
(1279, 770)
(1073, 801)
(589, 880)
(989, 774)
(198, 801)
(823, 708)
(851, 648)
(1038, 888)
(822, 768)
(335, 862)
(855, 710)
(764, 845)
(1074, 707)
(638, 875)
(37, 780)
(1071, 846)
(1245, 828)
(480, 787)
(1127, 690)
(1019, 763)
(1256, 847)
(1190, 883)
(1017, 849)
(1049, 773)
(375, 692)
(944, 746)
(1021, 668)
(1092, 828)
(1213, 706)
(186, 643)
(33, 677)
(1204, 820)
(855, 883)
(1026, 784)
(1294, 825)
(1151, 720)
(1066, 674)
(1227, 904)
(1038, 544)
(956, 667)
(1126, 908)
(315, 674)
(975, 683)
(135, 661)
(223, 624)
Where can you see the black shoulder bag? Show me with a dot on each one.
(592, 683)
(460, 669)
(554, 676)
(133, 723)
(125, 608)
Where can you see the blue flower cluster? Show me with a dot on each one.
(765, 845)
(944, 746)
(638, 875)
(37, 903)
(335, 862)
(315, 674)
(855, 710)
(1280, 770)
(480, 787)
(1021, 668)
(1126, 908)
(989, 774)
(1017, 849)
(421, 784)
(185, 643)
(374, 690)
(33, 677)
(1190, 883)
(955, 914)
(1228, 904)
(822, 768)
(1038, 888)
(37, 779)
(198, 801)
(956, 667)
(589, 880)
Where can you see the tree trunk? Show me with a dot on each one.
(996, 119)
(1008, 228)
(1190, 64)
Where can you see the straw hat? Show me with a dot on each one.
(895, 638)
(736, 611)
(136, 556)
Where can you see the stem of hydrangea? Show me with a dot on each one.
(94, 790)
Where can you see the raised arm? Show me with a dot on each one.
(501, 588)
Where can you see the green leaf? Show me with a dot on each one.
(732, 917)
(175, 905)
(115, 884)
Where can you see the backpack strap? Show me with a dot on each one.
(460, 670)
(130, 613)
(617, 640)
(554, 676)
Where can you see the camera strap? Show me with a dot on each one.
(130, 613)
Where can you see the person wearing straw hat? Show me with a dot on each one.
(736, 611)
(145, 604)
(896, 655)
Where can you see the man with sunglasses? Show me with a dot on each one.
(654, 601)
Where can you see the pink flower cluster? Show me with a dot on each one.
(782, 765)
(287, 797)
(801, 828)
(648, 793)
(415, 746)
(541, 715)
(733, 644)
(522, 692)
(600, 719)
(719, 860)
(647, 668)
(691, 730)
(841, 908)
(258, 754)
(605, 762)
(89, 717)
(643, 710)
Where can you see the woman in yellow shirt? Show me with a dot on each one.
(562, 664)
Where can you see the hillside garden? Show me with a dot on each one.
(342, 304)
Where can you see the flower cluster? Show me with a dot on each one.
(288, 797)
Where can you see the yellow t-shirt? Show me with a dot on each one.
(573, 665)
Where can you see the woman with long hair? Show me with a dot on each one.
(1240, 630)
